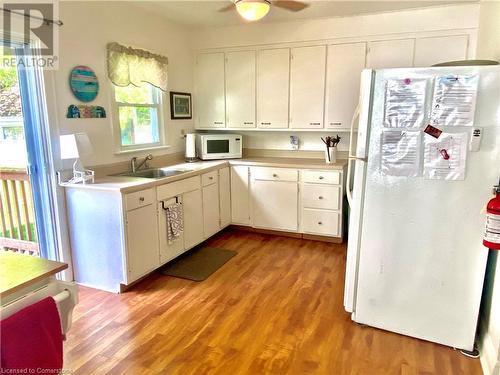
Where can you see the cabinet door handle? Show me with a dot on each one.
(265, 123)
(141, 199)
(321, 177)
(320, 223)
(320, 197)
(315, 123)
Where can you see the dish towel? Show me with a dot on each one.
(175, 222)
(32, 339)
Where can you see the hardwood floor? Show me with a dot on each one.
(275, 308)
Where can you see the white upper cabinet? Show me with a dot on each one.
(434, 50)
(307, 87)
(343, 71)
(390, 54)
(210, 99)
(240, 89)
(273, 78)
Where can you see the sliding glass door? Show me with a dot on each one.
(27, 209)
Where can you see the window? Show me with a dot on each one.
(138, 113)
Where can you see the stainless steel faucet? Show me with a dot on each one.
(135, 167)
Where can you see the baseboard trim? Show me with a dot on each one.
(304, 236)
(489, 358)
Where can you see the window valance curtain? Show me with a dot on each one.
(128, 65)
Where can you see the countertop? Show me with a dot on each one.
(124, 184)
(18, 271)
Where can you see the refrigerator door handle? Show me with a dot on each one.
(355, 116)
(351, 157)
(348, 187)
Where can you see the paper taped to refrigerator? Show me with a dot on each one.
(405, 103)
(454, 100)
(445, 158)
(400, 153)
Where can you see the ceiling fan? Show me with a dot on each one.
(253, 10)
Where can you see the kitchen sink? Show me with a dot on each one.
(154, 173)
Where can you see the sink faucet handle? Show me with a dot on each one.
(133, 162)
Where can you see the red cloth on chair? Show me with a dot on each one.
(32, 338)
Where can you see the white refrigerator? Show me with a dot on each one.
(415, 259)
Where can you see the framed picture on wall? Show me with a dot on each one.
(180, 105)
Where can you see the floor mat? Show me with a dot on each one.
(198, 263)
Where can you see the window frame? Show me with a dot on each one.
(159, 98)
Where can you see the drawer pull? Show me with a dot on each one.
(218, 122)
(211, 178)
(141, 199)
(265, 123)
(315, 123)
(336, 123)
(247, 123)
(320, 197)
(321, 177)
(275, 175)
(320, 223)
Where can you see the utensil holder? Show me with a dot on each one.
(331, 155)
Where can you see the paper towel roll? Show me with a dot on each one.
(190, 146)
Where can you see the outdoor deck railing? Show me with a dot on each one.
(17, 218)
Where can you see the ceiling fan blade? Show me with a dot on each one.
(227, 8)
(294, 6)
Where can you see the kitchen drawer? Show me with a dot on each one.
(321, 177)
(322, 222)
(208, 178)
(139, 199)
(274, 174)
(178, 187)
(321, 196)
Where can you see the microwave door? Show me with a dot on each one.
(218, 146)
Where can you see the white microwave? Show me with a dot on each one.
(218, 146)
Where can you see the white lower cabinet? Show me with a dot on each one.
(321, 222)
(211, 219)
(224, 197)
(142, 241)
(274, 204)
(193, 218)
(240, 195)
(287, 199)
(321, 198)
(168, 250)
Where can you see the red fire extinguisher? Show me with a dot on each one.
(492, 234)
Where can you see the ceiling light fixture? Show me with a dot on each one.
(252, 10)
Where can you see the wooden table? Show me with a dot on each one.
(19, 271)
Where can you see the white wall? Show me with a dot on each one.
(488, 44)
(88, 27)
(368, 27)
(408, 21)
(489, 48)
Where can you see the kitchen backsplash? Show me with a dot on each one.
(281, 140)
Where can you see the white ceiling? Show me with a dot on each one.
(206, 13)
